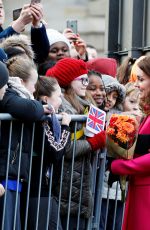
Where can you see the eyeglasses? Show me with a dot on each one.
(85, 81)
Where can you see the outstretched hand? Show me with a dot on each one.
(78, 43)
(37, 13)
(24, 19)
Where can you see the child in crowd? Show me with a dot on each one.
(131, 101)
(62, 45)
(72, 77)
(56, 138)
(19, 102)
(115, 94)
(96, 88)
(3, 85)
(59, 45)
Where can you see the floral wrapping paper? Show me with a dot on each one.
(121, 140)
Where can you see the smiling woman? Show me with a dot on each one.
(143, 84)
(138, 199)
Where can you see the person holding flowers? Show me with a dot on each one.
(136, 215)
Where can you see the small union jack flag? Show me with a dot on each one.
(95, 120)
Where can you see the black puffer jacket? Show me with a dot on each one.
(82, 162)
(28, 111)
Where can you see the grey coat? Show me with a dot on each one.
(82, 164)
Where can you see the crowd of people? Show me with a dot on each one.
(48, 73)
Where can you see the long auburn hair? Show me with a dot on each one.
(71, 96)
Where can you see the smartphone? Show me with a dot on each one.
(35, 1)
(16, 13)
(73, 24)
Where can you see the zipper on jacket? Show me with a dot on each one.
(15, 154)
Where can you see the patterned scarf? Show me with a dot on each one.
(56, 127)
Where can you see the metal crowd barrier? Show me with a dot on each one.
(98, 161)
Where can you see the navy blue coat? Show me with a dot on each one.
(9, 31)
(40, 43)
(27, 111)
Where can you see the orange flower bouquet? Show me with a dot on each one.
(121, 140)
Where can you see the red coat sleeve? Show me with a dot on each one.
(136, 166)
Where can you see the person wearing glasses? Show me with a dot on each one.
(71, 75)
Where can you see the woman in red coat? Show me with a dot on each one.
(137, 211)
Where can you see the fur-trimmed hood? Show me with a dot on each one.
(112, 84)
(18, 41)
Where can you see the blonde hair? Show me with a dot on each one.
(131, 88)
(20, 67)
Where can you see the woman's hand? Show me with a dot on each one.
(68, 33)
(80, 46)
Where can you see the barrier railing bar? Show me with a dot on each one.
(114, 220)
(60, 192)
(8, 160)
(99, 186)
(18, 176)
(29, 180)
(80, 198)
(40, 180)
(49, 198)
(72, 165)
(7, 116)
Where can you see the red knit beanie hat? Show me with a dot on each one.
(106, 66)
(66, 70)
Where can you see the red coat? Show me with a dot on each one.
(137, 211)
